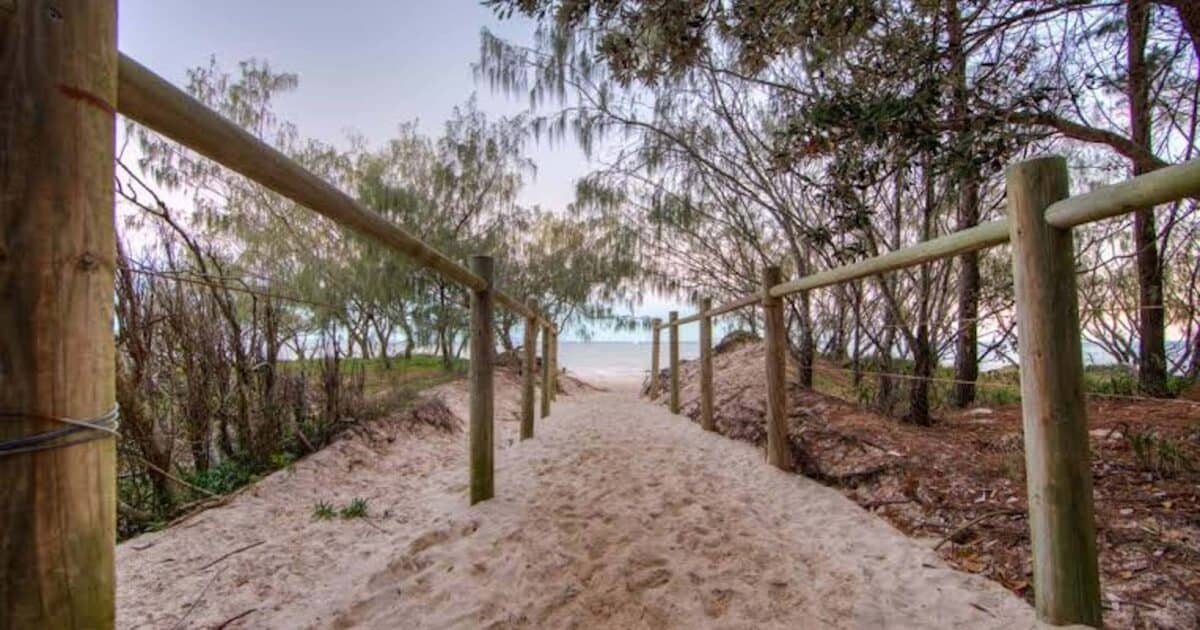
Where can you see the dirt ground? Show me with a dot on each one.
(618, 515)
(961, 483)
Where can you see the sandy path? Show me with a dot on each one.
(618, 515)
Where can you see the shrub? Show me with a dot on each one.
(222, 478)
(323, 511)
(1162, 456)
(356, 509)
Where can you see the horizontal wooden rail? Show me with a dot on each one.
(978, 237)
(516, 306)
(152, 101)
(1165, 185)
(1145, 191)
(742, 302)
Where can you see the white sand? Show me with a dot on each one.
(618, 515)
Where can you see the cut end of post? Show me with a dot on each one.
(772, 275)
(1047, 174)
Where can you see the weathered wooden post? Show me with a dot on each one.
(656, 331)
(530, 343)
(482, 404)
(547, 371)
(57, 249)
(673, 335)
(779, 450)
(1058, 473)
(554, 365)
(706, 367)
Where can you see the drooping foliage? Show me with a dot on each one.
(739, 133)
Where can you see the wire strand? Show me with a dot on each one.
(954, 381)
(205, 280)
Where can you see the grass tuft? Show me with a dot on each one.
(1162, 456)
(323, 511)
(356, 509)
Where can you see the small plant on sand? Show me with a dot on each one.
(356, 509)
(323, 511)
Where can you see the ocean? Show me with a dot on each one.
(622, 360)
(616, 360)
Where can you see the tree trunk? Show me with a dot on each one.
(1189, 16)
(883, 397)
(923, 361)
(966, 351)
(856, 357)
(807, 339)
(1152, 352)
(918, 394)
(504, 327)
(409, 343)
(445, 343)
(383, 332)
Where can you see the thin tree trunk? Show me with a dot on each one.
(857, 327)
(966, 351)
(1152, 352)
(918, 393)
(807, 339)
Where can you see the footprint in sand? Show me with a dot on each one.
(648, 580)
(716, 601)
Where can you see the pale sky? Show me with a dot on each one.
(364, 67)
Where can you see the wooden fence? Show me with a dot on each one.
(1038, 225)
(63, 82)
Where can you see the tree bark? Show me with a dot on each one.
(966, 349)
(923, 356)
(1152, 352)
(807, 338)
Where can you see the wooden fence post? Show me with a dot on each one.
(57, 255)
(554, 365)
(545, 371)
(482, 404)
(530, 343)
(673, 336)
(779, 450)
(656, 324)
(706, 367)
(1059, 478)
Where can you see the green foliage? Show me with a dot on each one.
(1161, 455)
(281, 460)
(1002, 395)
(1110, 379)
(652, 41)
(223, 477)
(357, 508)
(1177, 384)
(323, 511)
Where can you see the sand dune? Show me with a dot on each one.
(618, 515)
